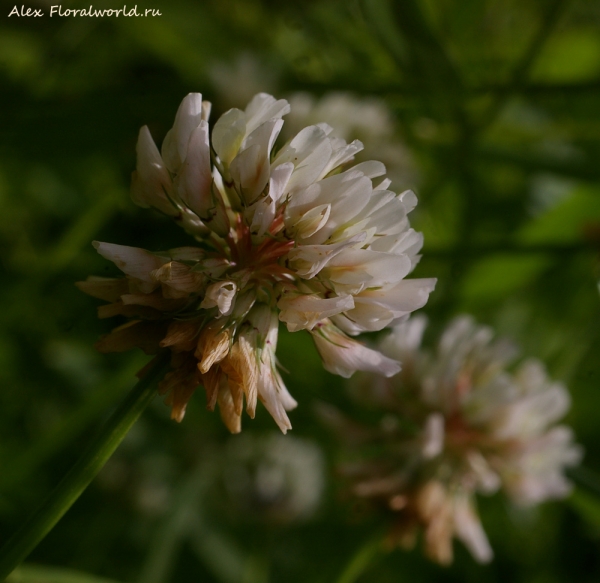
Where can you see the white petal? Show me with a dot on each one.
(151, 184)
(405, 338)
(312, 220)
(309, 151)
(251, 167)
(400, 298)
(250, 172)
(341, 154)
(303, 312)
(469, 530)
(344, 356)
(221, 295)
(371, 268)
(371, 168)
(409, 199)
(347, 193)
(132, 261)
(433, 436)
(275, 396)
(228, 133)
(308, 260)
(264, 107)
(195, 179)
(280, 177)
(531, 414)
(188, 118)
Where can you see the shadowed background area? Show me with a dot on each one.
(488, 109)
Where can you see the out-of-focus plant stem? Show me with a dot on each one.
(69, 429)
(362, 560)
(84, 470)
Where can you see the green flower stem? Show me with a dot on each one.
(364, 558)
(83, 472)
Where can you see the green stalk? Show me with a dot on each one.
(83, 472)
(364, 558)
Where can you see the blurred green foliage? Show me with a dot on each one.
(498, 101)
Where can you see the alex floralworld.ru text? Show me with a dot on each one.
(57, 10)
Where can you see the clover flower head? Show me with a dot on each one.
(367, 118)
(289, 234)
(456, 423)
(271, 477)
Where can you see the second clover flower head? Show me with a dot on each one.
(459, 422)
(286, 235)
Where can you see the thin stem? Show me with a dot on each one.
(69, 428)
(362, 560)
(84, 470)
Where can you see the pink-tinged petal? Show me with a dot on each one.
(344, 356)
(303, 312)
(151, 184)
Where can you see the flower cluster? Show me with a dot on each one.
(457, 423)
(366, 118)
(288, 234)
(351, 116)
(270, 478)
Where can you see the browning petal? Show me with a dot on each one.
(109, 289)
(139, 333)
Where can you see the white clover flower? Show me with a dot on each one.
(280, 479)
(477, 428)
(285, 234)
(366, 118)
